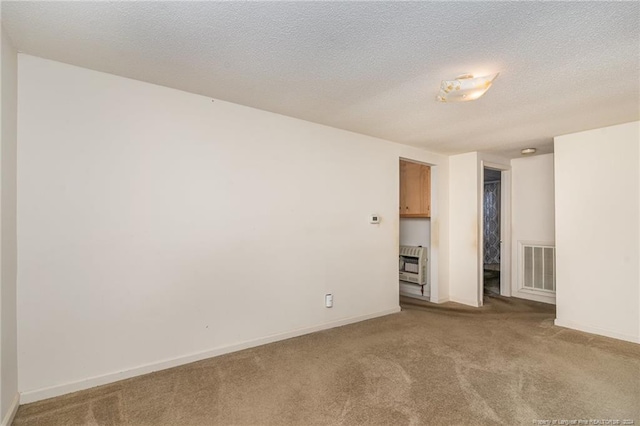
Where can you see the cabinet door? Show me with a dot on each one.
(415, 190)
(413, 196)
(425, 190)
(403, 186)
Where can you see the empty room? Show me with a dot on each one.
(319, 213)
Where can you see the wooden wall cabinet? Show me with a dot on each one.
(415, 190)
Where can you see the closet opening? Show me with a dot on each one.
(414, 260)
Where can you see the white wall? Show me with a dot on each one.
(533, 210)
(597, 198)
(415, 232)
(8, 248)
(158, 227)
(464, 204)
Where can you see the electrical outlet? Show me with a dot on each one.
(328, 300)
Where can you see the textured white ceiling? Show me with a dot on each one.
(368, 67)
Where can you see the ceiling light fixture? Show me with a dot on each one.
(465, 88)
(528, 151)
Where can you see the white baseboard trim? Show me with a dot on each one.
(415, 296)
(11, 413)
(473, 303)
(441, 300)
(596, 330)
(53, 391)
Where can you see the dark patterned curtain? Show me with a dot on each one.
(492, 222)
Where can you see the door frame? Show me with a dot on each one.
(433, 252)
(505, 229)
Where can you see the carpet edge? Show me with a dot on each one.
(11, 413)
(596, 330)
(63, 389)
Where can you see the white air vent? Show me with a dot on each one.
(538, 266)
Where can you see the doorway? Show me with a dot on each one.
(492, 232)
(414, 231)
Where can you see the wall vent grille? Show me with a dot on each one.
(538, 267)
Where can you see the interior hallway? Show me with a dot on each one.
(505, 363)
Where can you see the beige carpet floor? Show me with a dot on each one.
(503, 364)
